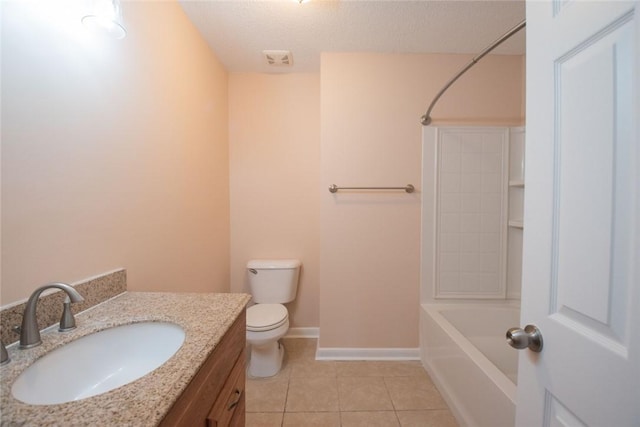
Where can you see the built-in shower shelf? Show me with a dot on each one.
(516, 223)
(516, 183)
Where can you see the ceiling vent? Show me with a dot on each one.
(278, 58)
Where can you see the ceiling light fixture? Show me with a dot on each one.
(105, 16)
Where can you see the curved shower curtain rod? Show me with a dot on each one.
(426, 119)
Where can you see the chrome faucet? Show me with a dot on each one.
(29, 331)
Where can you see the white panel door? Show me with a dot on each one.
(581, 250)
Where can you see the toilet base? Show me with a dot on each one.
(266, 360)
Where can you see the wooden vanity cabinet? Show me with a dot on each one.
(215, 397)
(228, 410)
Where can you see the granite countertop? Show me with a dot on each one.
(204, 317)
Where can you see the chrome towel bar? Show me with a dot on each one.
(408, 188)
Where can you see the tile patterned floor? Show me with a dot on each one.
(310, 393)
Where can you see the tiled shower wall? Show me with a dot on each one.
(471, 212)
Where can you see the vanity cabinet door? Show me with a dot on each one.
(228, 410)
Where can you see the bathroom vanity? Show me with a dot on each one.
(201, 384)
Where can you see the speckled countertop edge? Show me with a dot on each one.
(204, 317)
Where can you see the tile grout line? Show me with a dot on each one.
(339, 399)
(286, 394)
(395, 410)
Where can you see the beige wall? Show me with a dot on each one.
(274, 139)
(114, 152)
(371, 136)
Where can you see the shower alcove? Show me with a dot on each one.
(471, 266)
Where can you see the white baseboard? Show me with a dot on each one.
(303, 333)
(354, 353)
(368, 354)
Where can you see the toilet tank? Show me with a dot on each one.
(273, 281)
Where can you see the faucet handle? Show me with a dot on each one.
(4, 356)
(67, 321)
(30, 334)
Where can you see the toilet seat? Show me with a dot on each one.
(265, 317)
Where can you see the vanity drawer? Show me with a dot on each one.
(229, 408)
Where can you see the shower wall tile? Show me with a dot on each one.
(470, 241)
(450, 183)
(471, 183)
(471, 163)
(450, 223)
(491, 203)
(470, 145)
(492, 162)
(489, 242)
(489, 281)
(490, 223)
(450, 202)
(450, 262)
(489, 262)
(471, 205)
(492, 146)
(470, 223)
(450, 242)
(491, 183)
(451, 162)
(469, 262)
(450, 280)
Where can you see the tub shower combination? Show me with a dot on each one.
(471, 266)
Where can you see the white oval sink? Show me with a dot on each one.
(97, 363)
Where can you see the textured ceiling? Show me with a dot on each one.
(239, 30)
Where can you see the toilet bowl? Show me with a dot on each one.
(272, 283)
(266, 324)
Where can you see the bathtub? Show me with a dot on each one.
(463, 348)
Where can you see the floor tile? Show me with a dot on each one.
(311, 419)
(297, 345)
(285, 370)
(413, 393)
(263, 419)
(357, 369)
(433, 418)
(369, 419)
(313, 368)
(312, 394)
(363, 394)
(373, 368)
(266, 395)
(409, 368)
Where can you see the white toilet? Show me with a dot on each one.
(272, 283)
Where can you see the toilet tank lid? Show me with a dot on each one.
(273, 264)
